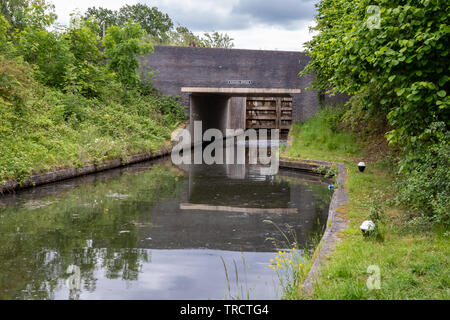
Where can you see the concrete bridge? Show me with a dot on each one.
(234, 88)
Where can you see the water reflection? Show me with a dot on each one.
(152, 231)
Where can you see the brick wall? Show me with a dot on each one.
(176, 67)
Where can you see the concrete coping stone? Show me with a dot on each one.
(240, 90)
(63, 174)
(336, 221)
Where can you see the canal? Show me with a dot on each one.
(156, 231)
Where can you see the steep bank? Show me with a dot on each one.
(44, 129)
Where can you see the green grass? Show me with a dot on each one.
(43, 128)
(320, 138)
(412, 265)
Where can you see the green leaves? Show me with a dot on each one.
(399, 69)
(217, 40)
(400, 91)
(443, 81)
(158, 26)
(155, 23)
(20, 14)
(48, 51)
(408, 60)
(122, 46)
(441, 93)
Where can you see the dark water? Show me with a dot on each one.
(154, 231)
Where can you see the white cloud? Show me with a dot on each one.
(201, 16)
(263, 37)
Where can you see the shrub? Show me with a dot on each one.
(88, 79)
(16, 81)
(48, 52)
(393, 56)
(60, 104)
(425, 184)
(122, 46)
(83, 41)
(4, 26)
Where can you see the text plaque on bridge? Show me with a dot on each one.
(239, 81)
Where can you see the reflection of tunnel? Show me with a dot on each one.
(214, 186)
(193, 220)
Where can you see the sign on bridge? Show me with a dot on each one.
(239, 81)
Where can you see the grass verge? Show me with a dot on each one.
(412, 265)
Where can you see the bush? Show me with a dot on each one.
(4, 26)
(83, 41)
(88, 79)
(49, 53)
(425, 185)
(16, 81)
(122, 46)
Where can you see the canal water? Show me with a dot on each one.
(156, 231)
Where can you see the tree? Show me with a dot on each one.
(122, 46)
(14, 11)
(4, 26)
(83, 40)
(393, 57)
(404, 57)
(158, 26)
(218, 40)
(27, 13)
(153, 21)
(87, 73)
(49, 52)
(182, 36)
(104, 17)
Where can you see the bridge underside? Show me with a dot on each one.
(241, 108)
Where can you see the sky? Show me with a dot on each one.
(253, 24)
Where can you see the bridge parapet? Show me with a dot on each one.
(192, 71)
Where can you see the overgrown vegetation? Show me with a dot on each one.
(412, 264)
(64, 101)
(393, 58)
(292, 262)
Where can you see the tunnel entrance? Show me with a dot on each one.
(211, 109)
(241, 108)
